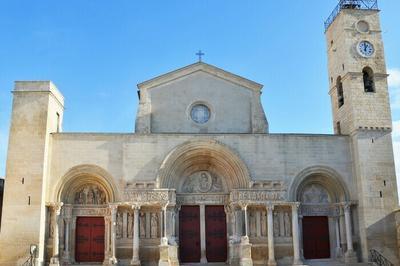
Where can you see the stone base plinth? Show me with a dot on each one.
(245, 252)
(54, 262)
(168, 255)
(135, 262)
(350, 257)
(271, 263)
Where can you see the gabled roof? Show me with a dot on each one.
(199, 66)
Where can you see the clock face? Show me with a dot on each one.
(366, 48)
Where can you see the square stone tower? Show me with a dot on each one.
(37, 111)
(361, 109)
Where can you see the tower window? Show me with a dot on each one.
(339, 87)
(368, 78)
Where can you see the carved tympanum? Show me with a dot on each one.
(202, 182)
(90, 194)
(315, 194)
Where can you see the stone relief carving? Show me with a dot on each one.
(203, 198)
(91, 195)
(287, 224)
(154, 225)
(276, 224)
(257, 195)
(149, 197)
(142, 225)
(202, 182)
(318, 210)
(315, 194)
(252, 218)
(129, 225)
(119, 225)
(263, 223)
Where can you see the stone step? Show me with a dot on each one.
(330, 262)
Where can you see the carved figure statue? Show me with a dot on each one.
(253, 230)
(315, 194)
(90, 194)
(263, 223)
(154, 225)
(119, 225)
(202, 182)
(142, 223)
(286, 220)
(130, 225)
(276, 224)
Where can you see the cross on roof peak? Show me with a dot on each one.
(200, 54)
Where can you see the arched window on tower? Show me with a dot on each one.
(368, 78)
(339, 87)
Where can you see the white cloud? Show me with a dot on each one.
(394, 78)
(394, 87)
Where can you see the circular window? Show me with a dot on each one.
(362, 26)
(200, 113)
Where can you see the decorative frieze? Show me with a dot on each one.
(158, 197)
(319, 210)
(256, 196)
(194, 198)
(90, 195)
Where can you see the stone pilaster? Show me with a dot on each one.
(55, 259)
(113, 258)
(67, 231)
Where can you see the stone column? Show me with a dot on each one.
(295, 234)
(113, 258)
(245, 246)
(55, 259)
(203, 258)
(67, 229)
(350, 256)
(301, 236)
(107, 221)
(337, 231)
(135, 253)
(164, 240)
(270, 229)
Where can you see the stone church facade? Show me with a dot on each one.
(202, 180)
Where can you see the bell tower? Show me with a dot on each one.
(361, 109)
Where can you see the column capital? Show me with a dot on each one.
(243, 205)
(295, 205)
(347, 206)
(136, 207)
(56, 207)
(269, 206)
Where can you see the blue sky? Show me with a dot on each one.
(97, 51)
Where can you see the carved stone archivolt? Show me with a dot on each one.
(90, 195)
(202, 182)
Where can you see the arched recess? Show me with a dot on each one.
(323, 176)
(205, 155)
(80, 176)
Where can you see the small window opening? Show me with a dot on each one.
(332, 43)
(368, 78)
(23, 181)
(339, 87)
(29, 200)
(380, 193)
(384, 183)
(343, 66)
(372, 140)
(58, 122)
(338, 128)
(331, 80)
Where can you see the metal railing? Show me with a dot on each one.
(379, 259)
(351, 4)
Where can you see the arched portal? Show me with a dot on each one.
(85, 193)
(203, 173)
(321, 192)
(205, 155)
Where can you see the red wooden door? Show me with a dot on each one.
(316, 237)
(216, 242)
(89, 245)
(189, 234)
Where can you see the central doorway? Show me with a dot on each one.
(214, 237)
(89, 239)
(316, 237)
